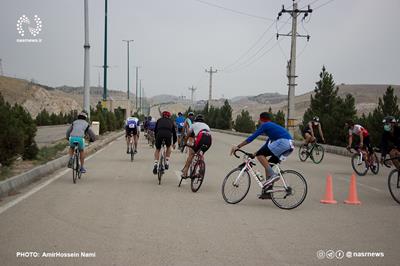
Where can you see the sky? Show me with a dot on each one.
(176, 40)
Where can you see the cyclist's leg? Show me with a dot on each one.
(70, 152)
(81, 148)
(168, 143)
(393, 154)
(157, 153)
(307, 137)
(188, 161)
(135, 140)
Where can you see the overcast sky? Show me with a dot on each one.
(175, 40)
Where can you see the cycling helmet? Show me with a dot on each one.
(180, 113)
(389, 119)
(190, 114)
(83, 115)
(316, 119)
(166, 114)
(199, 118)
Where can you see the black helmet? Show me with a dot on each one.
(190, 114)
(180, 113)
(83, 115)
(199, 118)
(315, 119)
(389, 119)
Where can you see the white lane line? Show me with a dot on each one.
(363, 185)
(36, 189)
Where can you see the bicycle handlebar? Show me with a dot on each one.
(245, 153)
(389, 159)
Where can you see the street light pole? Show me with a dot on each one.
(127, 42)
(86, 75)
(105, 54)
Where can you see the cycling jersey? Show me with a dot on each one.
(77, 131)
(272, 130)
(197, 127)
(189, 122)
(151, 125)
(358, 130)
(165, 129)
(180, 121)
(390, 140)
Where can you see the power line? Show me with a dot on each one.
(234, 11)
(323, 4)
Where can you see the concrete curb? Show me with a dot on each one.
(16, 182)
(328, 148)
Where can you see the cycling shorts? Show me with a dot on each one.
(130, 131)
(203, 141)
(79, 140)
(163, 136)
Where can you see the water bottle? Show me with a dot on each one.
(259, 176)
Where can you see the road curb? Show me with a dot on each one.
(16, 182)
(328, 148)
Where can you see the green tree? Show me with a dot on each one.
(244, 122)
(224, 117)
(332, 110)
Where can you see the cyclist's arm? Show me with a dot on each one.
(361, 139)
(156, 128)
(311, 129)
(257, 133)
(384, 145)
(69, 130)
(92, 136)
(350, 140)
(320, 131)
(174, 137)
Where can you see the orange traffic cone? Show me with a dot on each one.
(328, 199)
(353, 197)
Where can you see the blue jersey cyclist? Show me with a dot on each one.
(279, 145)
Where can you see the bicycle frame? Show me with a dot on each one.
(249, 168)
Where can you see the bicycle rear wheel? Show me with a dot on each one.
(197, 175)
(160, 169)
(359, 166)
(317, 153)
(292, 196)
(75, 169)
(235, 193)
(303, 152)
(394, 184)
(132, 152)
(374, 164)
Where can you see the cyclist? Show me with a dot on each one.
(179, 123)
(311, 128)
(279, 145)
(132, 129)
(200, 131)
(360, 131)
(76, 133)
(164, 131)
(187, 126)
(390, 143)
(150, 129)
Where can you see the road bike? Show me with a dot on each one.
(161, 162)
(132, 147)
(361, 164)
(313, 150)
(393, 180)
(286, 193)
(197, 171)
(76, 163)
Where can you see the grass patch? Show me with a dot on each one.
(5, 172)
(49, 153)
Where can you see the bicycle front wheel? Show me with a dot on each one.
(317, 153)
(293, 194)
(303, 152)
(359, 166)
(197, 175)
(75, 169)
(235, 187)
(394, 184)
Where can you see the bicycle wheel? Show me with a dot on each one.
(317, 153)
(374, 164)
(303, 152)
(292, 196)
(160, 169)
(235, 193)
(360, 167)
(74, 167)
(197, 175)
(78, 166)
(394, 184)
(132, 152)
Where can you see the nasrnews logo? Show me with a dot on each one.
(340, 254)
(29, 28)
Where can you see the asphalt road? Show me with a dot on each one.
(118, 212)
(46, 135)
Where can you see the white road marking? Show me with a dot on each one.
(363, 185)
(39, 187)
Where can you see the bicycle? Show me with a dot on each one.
(315, 152)
(287, 193)
(132, 147)
(197, 171)
(393, 180)
(360, 164)
(161, 162)
(76, 165)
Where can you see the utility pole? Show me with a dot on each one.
(137, 92)
(192, 90)
(211, 72)
(86, 75)
(127, 42)
(290, 121)
(105, 55)
(140, 96)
